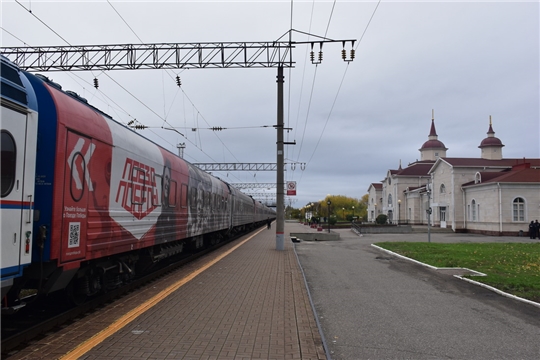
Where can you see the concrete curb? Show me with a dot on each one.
(475, 273)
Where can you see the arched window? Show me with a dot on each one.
(477, 178)
(442, 189)
(390, 200)
(473, 210)
(518, 209)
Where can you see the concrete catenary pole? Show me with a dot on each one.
(280, 183)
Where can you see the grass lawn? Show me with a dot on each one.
(511, 267)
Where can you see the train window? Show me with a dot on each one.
(183, 199)
(8, 162)
(138, 186)
(158, 181)
(193, 198)
(204, 199)
(172, 193)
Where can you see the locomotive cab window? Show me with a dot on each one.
(8, 162)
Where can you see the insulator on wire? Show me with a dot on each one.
(131, 122)
(352, 54)
(139, 126)
(178, 82)
(312, 56)
(320, 56)
(96, 83)
(217, 128)
(344, 54)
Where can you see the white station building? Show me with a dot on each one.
(489, 194)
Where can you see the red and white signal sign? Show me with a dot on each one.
(291, 188)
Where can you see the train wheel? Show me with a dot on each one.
(74, 295)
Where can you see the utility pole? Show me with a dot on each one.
(280, 182)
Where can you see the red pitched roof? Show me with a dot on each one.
(512, 176)
(416, 169)
(479, 162)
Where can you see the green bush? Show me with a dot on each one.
(381, 219)
(332, 220)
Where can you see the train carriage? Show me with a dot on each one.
(108, 203)
(18, 142)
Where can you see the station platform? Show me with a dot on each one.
(246, 300)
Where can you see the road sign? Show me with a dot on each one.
(291, 188)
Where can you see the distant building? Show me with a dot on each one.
(489, 194)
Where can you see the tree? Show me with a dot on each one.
(343, 208)
(381, 219)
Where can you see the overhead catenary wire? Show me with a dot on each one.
(339, 88)
(130, 93)
(199, 146)
(116, 82)
(301, 84)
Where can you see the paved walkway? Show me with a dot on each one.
(372, 305)
(249, 304)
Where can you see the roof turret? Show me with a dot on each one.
(491, 147)
(433, 148)
(491, 140)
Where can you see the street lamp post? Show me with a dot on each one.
(375, 217)
(399, 211)
(353, 213)
(343, 213)
(328, 203)
(428, 211)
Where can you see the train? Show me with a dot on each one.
(87, 203)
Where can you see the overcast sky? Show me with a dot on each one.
(351, 122)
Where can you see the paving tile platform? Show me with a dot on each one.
(250, 304)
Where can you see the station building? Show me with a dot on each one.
(489, 194)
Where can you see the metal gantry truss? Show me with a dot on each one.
(153, 56)
(254, 185)
(237, 166)
(261, 195)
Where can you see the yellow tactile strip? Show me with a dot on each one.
(251, 303)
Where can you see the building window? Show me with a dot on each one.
(443, 189)
(390, 200)
(518, 209)
(473, 210)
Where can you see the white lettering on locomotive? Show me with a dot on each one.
(76, 175)
(137, 191)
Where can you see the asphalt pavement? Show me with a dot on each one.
(372, 305)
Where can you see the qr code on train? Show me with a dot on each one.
(74, 234)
